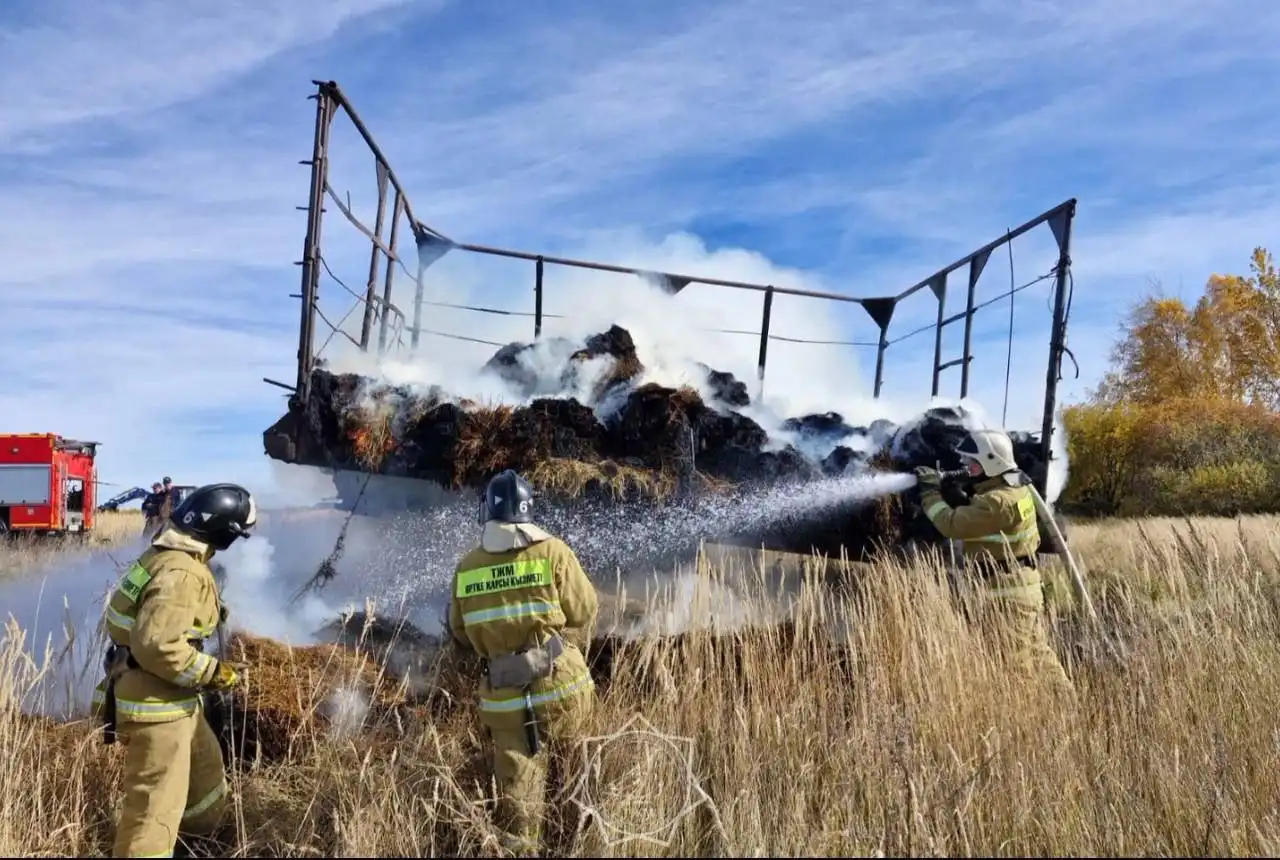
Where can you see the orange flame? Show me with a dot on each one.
(371, 447)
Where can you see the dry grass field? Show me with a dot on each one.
(22, 552)
(872, 724)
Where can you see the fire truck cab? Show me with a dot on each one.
(47, 483)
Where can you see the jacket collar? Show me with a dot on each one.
(504, 537)
(170, 538)
(1008, 479)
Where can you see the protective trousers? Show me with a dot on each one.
(1010, 614)
(173, 780)
(522, 777)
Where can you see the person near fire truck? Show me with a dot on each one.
(158, 618)
(169, 497)
(151, 507)
(1001, 538)
(522, 601)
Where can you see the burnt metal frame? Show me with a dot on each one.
(431, 245)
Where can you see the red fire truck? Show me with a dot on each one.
(47, 484)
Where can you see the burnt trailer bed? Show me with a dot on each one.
(655, 448)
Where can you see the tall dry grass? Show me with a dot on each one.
(873, 724)
(22, 552)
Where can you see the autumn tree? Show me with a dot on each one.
(1188, 419)
(1225, 348)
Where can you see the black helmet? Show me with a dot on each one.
(216, 514)
(507, 499)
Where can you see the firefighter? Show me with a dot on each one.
(1000, 536)
(522, 601)
(161, 612)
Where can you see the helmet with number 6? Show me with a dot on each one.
(507, 499)
(216, 514)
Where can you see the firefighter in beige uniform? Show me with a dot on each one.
(161, 612)
(1000, 536)
(522, 601)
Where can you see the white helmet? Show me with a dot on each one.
(990, 449)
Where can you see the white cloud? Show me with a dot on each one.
(90, 62)
(151, 177)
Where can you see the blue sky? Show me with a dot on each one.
(148, 164)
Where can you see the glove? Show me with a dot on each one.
(225, 677)
(928, 477)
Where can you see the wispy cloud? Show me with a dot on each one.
(149, 168)
(66, 63)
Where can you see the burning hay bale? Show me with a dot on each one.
(672, 434)
(576, 478)
(595, 430)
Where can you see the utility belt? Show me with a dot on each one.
(522, 669)
(117, 660)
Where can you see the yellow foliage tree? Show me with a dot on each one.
(1227, 347)
(1188, 419)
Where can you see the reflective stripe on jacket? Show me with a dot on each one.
(998, 525)
(163, 608)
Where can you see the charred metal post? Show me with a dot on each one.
(765, 318)
(311, 244)
(370, 296)
(939, 287)
(392, 255)
(976, 266)
(881, 313)
(881, 348)
(1060, 224)
(537, 297)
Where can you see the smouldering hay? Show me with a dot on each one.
(622, 368)
(889, 518)
(686, 398)
(291, 693)
(573, 478)
(481, 447)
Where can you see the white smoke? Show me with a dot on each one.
(676, 338)
(674, 335)
(1059, 468)
(401, 562)
(257, 593)
(346, 709)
